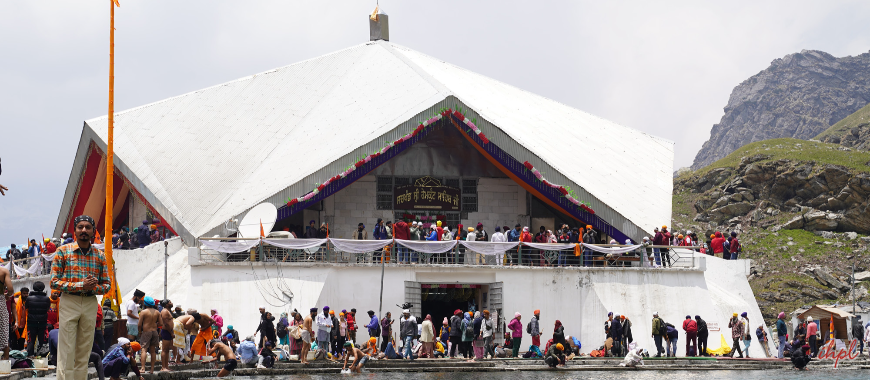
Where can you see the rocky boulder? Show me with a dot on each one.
(821, 221)
(827, 279)
(724, 213)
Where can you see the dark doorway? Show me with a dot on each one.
(442, 302)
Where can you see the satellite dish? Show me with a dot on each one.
(265, 213)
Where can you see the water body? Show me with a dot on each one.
(814, 374)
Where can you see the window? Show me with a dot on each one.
(385, 193)
(469, 195)
(469, 203)
(385, 185)
(469, 186)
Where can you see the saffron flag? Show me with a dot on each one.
(117, 4)
(262, 234)
(374, 15)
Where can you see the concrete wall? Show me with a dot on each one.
(500, 200)
(353, 205)
(134, 265)
(579, 297)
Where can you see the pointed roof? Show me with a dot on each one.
(206, 156)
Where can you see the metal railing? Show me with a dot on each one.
(395, 254)
(26, 264)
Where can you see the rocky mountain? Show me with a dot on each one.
(851, 132)
(802, 212)
(799, 96)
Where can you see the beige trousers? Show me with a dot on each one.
(78, 320)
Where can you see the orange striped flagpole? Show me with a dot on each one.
(110, 165)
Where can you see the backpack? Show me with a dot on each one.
(378, 328)
(320, 354)
(529, 327)
(282, 330)
(469, 328)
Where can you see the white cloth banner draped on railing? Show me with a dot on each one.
(20, 271)
(229, 246)
(428, 246)
(35, 267)
(295, 243)
(359, 246)
(550, 246)
(612, 249)
(488, 247)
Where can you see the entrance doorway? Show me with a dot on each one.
(441, 300)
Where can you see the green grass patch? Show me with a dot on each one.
(792, 149)
(682, 203)
(843, 126)
(770, 244)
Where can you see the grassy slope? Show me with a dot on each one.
(860, 116)
(793, 149)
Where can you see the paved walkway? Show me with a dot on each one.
(199, 370)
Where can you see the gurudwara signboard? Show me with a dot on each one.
(426, 193)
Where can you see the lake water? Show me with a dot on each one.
(842, 374)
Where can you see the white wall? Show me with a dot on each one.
(580, 298)
(134, 265)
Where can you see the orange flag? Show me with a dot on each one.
(117, 4)
(97, 238)
(262, 234)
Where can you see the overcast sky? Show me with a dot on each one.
(666, 68)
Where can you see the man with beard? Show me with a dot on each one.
(80, 272)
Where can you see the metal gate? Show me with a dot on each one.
(496, 304)
(412, 296)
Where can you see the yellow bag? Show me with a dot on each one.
(723, 349)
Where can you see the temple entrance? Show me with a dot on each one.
(441, 300)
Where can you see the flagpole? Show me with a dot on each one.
(110, 165)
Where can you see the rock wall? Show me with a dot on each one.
(828, 197)
(799, 95)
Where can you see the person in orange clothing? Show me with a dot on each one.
(20, 320)
(205, 334)
(53, 309)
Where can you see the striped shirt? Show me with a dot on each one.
(72, 265)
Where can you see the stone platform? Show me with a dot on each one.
(199, 370)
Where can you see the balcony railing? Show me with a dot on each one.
(394, 253)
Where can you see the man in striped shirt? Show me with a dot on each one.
(79, 271)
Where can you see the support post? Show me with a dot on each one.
(381, 302)
(165, 266)
(110, 165)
